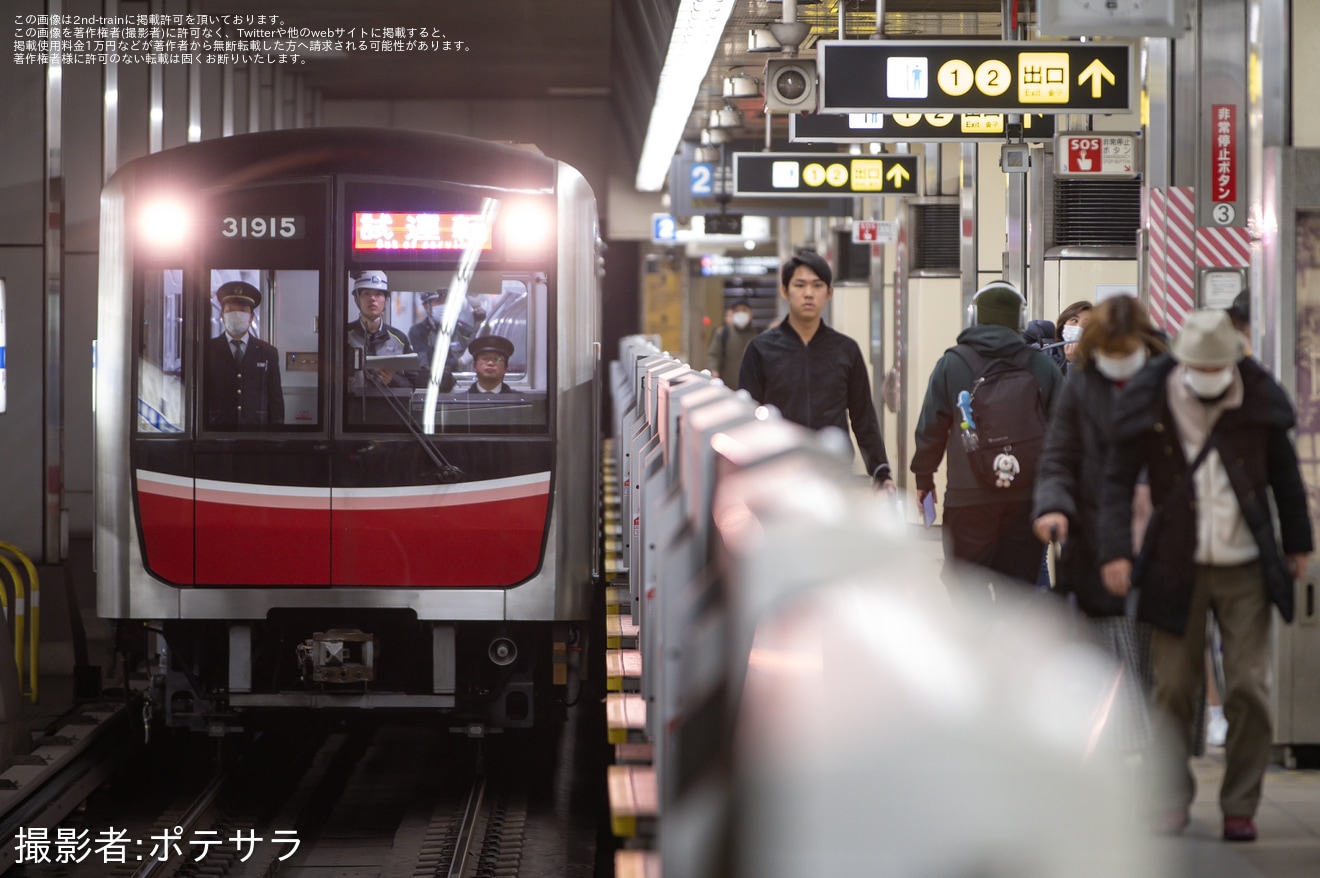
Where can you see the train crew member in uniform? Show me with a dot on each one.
(814, 374)
(370, 332)
(1211, 427)
(985, 524)
(490, 359)
(422, 337)
(729, 342)
(242, 385)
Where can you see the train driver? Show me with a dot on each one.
(242, 378)
(490, 359)
(370, 332)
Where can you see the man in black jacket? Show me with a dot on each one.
(984, 525)
(1211, 545)
(813, 374)
(242, 387)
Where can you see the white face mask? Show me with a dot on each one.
(741, 319)
(1120, 368)
(1208, 385)
(237, 322)
(1072, 333)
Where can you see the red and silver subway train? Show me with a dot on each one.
(366, 529)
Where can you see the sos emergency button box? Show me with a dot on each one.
(1096, 155)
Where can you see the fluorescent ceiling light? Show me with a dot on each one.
(697, 31)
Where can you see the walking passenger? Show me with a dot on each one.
(1211, 427)
(814, 374)
(729, 342)
(987, 403)
(1072, 322)
(1117, 343)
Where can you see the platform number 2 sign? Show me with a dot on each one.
(702, 180)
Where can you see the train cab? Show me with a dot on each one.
(347, 383)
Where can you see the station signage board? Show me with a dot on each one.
(912, 127)
(893, 76)
(1095, 156)
(817, 174)
(684, 204)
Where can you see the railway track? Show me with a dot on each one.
(363, 800)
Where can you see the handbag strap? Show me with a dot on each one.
(1149, 540)
(1182, 487)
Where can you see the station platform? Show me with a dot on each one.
(1288, 824)
(1288, 820)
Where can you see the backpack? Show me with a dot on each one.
(1003, 427)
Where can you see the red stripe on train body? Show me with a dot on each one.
(253, 536)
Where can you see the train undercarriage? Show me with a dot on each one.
(218, 677)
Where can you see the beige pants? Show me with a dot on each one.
(1236, 595)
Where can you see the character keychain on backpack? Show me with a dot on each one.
(1006, 468)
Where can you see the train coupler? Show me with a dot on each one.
(340, 655)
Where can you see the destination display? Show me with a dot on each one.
(420, 231)
(912, 127)
(890, 76)
(816, 174)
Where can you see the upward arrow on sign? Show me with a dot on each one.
(1095, 71)
(898, 175)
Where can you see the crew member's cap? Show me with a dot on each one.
(1000, 304)
(372, 280)
(1208, 341)
(742, 303)
(238, 291)
(428, 298)
(496, 343)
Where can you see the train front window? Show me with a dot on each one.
(160, 406)
(261, 358)
(489, 372)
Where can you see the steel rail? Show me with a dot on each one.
(468, 828)
(205, 799)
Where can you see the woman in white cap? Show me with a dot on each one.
(1211, 427)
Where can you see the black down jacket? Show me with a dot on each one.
(1254, 446)
(1070, 480)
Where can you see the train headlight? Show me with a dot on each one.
(165, 223)
(528, 227)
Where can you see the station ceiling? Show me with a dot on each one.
(598, 49)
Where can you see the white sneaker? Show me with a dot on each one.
(1216, 731)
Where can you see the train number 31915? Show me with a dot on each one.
(262, 227)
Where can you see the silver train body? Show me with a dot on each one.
(363, 532)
